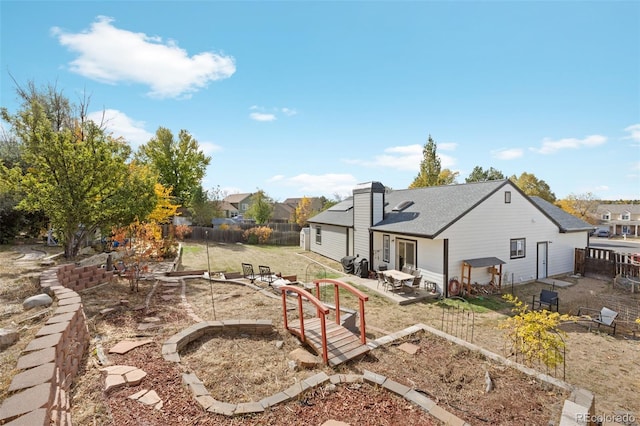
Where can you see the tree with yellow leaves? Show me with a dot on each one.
(164, 209)
(535, 334)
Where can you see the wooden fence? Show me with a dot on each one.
(283, 234)
(598, 262)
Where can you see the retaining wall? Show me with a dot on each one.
(38, 393)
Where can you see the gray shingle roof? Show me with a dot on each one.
(565, 221)
(435, 208)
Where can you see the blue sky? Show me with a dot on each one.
(311, 98)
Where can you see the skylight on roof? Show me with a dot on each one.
(340, 208)
(403, 205)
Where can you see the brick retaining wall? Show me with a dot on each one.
(50, 362)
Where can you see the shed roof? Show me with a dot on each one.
(484, 261)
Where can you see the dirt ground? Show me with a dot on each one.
(239, 369)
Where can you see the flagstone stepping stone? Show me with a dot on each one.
(126, 345)
(169, 291)
(409, 348)
(166, 298)
(151, 319)
(148, 397)
(122, 375)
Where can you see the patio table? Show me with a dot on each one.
(399, 276)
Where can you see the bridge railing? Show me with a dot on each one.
(336, 296)
(322, 310)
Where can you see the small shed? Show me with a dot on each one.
(305, 240)
(482, 262)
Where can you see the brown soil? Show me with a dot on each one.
(241, 368)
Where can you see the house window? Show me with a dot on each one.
(386, 248)
(507, 197)
(319, 235)
(244, 207)
(606, 216)
(625, 216)
(517, 248)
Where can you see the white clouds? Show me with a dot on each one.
(269, 114)
(324, 184)
(550, 146)
(260, 116)
(112, 55)
(209, 147)
(404, 158)
(120, 125)
(507, 154)
(634, 132)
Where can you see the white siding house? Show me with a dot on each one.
(436, 229)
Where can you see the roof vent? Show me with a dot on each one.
(403, 205)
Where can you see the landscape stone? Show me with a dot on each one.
(42, 299)
(150, 398)
(134, 377)
(8, 337)
(304, 358)
(126, 345)
(409, 348)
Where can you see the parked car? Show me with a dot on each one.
(603, 233)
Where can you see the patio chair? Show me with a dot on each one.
(247, 272)
(547, 299)
(604, 316)
(265, 274)
(412, 285)
(382, 280)
(393, 284)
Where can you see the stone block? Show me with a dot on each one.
(274, 399)
(69, 316)
(34, 376)
(28, 400)
(68, 308)
(33, 359)
(35, 417)
(417, 398)
(52, 329)
(44, 342)
(248, 407)
(396, 387)
(374, 378)
(69, 301)
(205, 401)
(222, 408)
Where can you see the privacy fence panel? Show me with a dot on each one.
(282, 234)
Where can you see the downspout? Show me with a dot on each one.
(445, 266)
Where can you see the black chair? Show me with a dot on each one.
(547, 299)
(247, 272)
(265, 274)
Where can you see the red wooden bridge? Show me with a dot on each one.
(336, 343)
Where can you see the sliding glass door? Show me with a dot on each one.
(406, 254)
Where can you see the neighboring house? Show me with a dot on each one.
(284, 211)
(619, 219)
(236, 204)
(436, 229)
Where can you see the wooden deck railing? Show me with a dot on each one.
(336, 291)
(322, 310)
